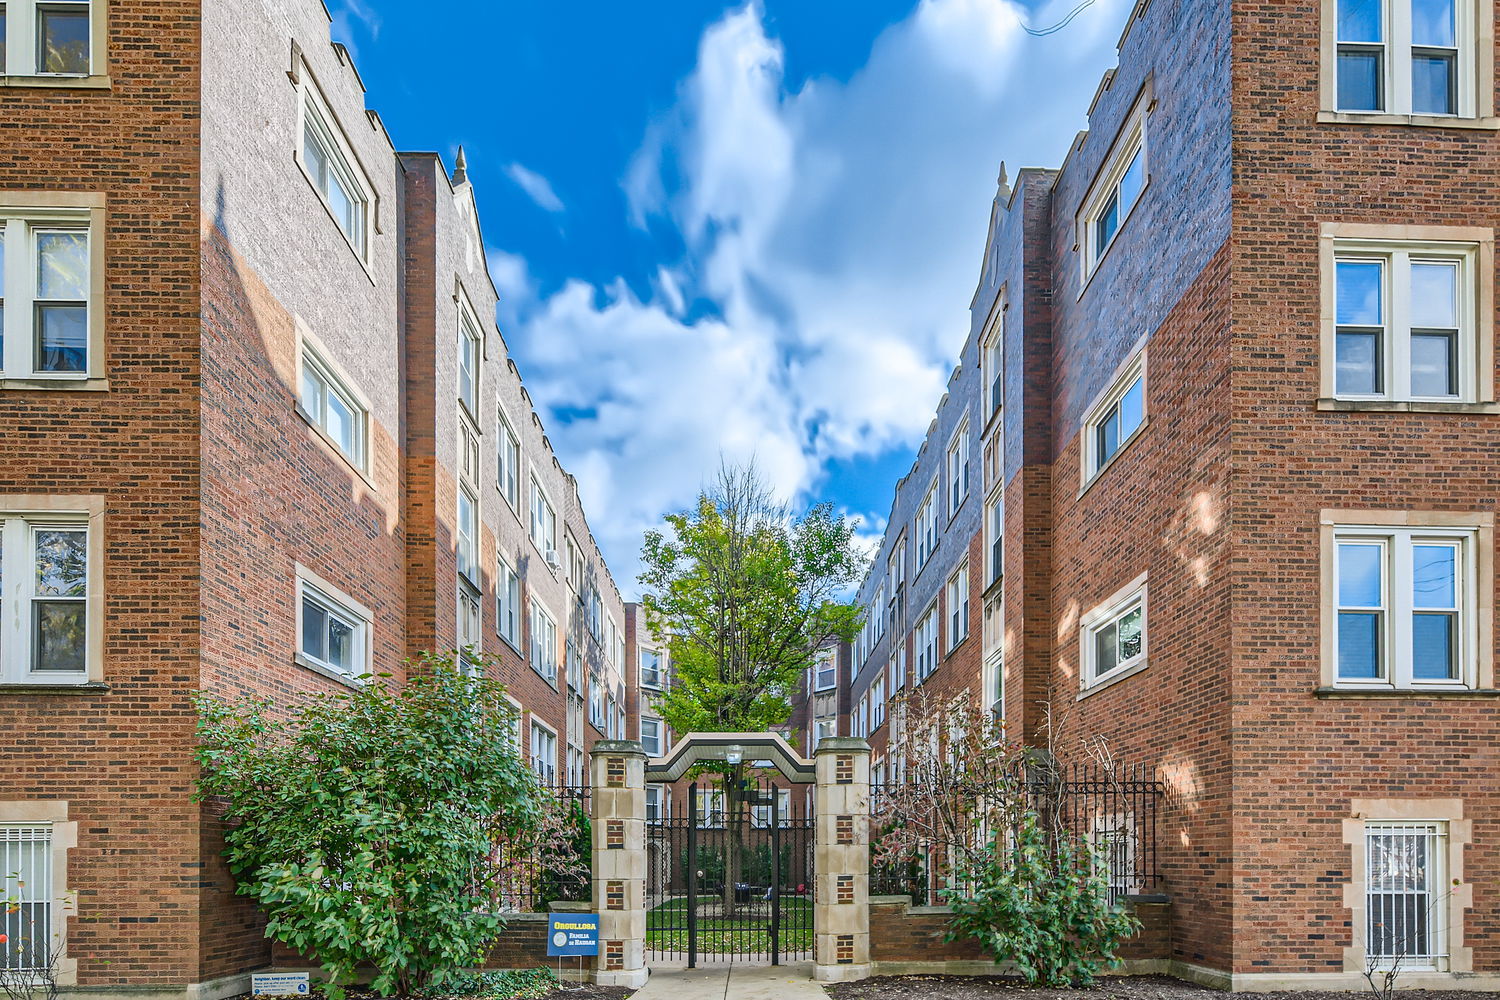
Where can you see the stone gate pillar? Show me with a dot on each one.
(617, 773)
(841, 861)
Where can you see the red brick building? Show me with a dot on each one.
(1219, 460)
(261, 436)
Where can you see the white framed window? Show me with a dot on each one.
(49, 597)
(469, 340)
(1405, 57)
(509, 462)
(958, 607)
(824, 728)
(1114, 840)
(898, 668)
(994, 535)
(1405, 321)
(992, 363)
(468, 536)
(1406, 890)
(1405, 606)
(333, 631)
(927, 643)
(507, 603)
(711, 812)
(877, 702)
(543, 641)
(958, 468)
(826, 671)
(927, 533)
(651, 736)
(470, 626)
(994, 687)
(1117, 189)
(1114, 635)
(51, 293)
(861, 717)
(48, 38)
(332, 168)
(543, 522)
(543, 752)
(760, 816)
(517, 713)
(896, 565)
(1115, 418)
(328, 400)
(658, 800)
(877, 613)
(652, 673)
(27, 918)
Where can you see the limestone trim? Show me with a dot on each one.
(64, 836)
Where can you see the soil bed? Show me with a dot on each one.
(1108, 988)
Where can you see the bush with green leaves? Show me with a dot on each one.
(365, 822)
(1043, 901)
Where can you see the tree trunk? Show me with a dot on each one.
(733, 839)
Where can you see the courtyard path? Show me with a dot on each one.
(733, 982)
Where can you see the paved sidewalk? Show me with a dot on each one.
(733, 982)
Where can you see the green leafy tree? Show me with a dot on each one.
(747, 593)
(365, 822)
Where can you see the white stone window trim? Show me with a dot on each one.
(1476, 72)
(63, 837)
(310, 585)
(533, 651)
(1130, 141)
(314, 353)
(342, 157)
(1091, 468)
(1476, 246)
(1110, 611)
(1479, 528)
(20, 44)
(1459, 833)
(20, 213)
(19, 514)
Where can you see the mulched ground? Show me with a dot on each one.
(579, 991)
(1109, 988)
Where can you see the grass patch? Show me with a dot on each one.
(748, 931)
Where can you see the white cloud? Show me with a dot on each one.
(537, 187)
(835, 232)
(348, 13)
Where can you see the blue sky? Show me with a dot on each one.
(737, 229)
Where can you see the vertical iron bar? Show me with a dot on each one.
(692, 876)
(775, 876)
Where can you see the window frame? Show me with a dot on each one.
(470, 338)
(659, 670)
(538, 608)
(23, 214)
(506, 580)
(957, 462)
(469, 569)
(1131, 142)
(927, 524)
(1092, 464)
(313, 354)
(927, 648)
(552, 769)
(336, 601)
(1474, 248)
(342, 159)
(660, 739)
(539, 492)
(877, 701)
(832, 660)
(1110, 612)
(1475, 653)
(992, 363)
(994, 539)
(957, 598)
(508, 440)
(21, 43)
(62, 838)
(20, 517)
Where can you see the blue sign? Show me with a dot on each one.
(572, 934)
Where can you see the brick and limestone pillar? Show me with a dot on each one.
(841, 859)
(618, 777)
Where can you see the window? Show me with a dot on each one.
(958, 607)
(861, 720)
(877, 701)
(657, 803)
(1114, 842)
(333, 632)
(1404, 611)
(651, 736)
(652, 675)
(470, 632)
(994, 687)
(1114, 636)
(468, 536)
(543, 752)
(509, 464)
(710, 803)
(760, 816)
(927, 536)
(543, 642)
(1405, 322)
(877, 613)
(508, 603)
(896, 566)
(994, 526)
(1117, 190)
(51, 294)
(1405, 908)
(992, 364)
(468, 361)
(331, 167)
(51, 38)
(958, 468)
(329, 403)
(1114, 420)
(827, 671)
(823, 728)
(1406, 57)
(927, 643)
(898, 668)
(26, 921)
(543, 522)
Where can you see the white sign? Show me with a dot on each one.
(279, 984)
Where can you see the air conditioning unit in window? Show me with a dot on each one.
(552, 559)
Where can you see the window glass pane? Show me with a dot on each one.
(314, 156)
(1360, 21)
(342, 425)
(1434, 576)
(1357, 369)
(1107, 223)
(1361, 80)
(312, 392)
(1132, 408)
(343, 205)
(1432, 23)
(314, 630)
(340, 644)
(1433, 368)
(1432, 646)
(1433, 83)
(1359, 645)
(1359, 284)
(63, 38)
(1109, 434)
(1105, 650)
(62, 265)
(61, 563)
(1360, 569)
(1434, 294)
(62, 338)
(1132, 182)
(1130, 635)
(60, 632)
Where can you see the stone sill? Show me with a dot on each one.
(55, 384)
(100, 82)
(1404, 406)
(92, 687)
(333, 675)
(1329, 693)
(1425, 121)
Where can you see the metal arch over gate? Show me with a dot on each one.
(730, 870)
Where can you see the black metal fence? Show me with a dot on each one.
(1111, 808)
(554, 861)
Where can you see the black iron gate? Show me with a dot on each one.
(729, 875)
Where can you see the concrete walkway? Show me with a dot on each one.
(733, 982)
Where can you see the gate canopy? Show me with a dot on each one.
(756, 749)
